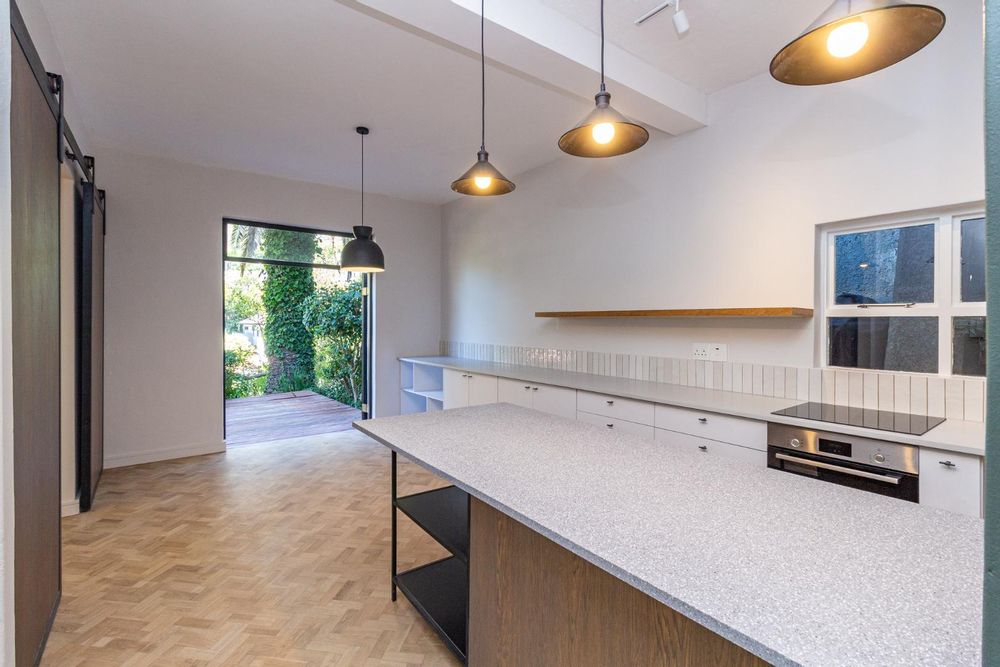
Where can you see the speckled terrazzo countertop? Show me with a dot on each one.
(953, 435)
(796, 571)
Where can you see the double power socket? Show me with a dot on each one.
(710, 351)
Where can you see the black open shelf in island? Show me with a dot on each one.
(440, 592)
(444, 515)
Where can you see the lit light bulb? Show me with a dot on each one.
(603, 132)
(483, 182)
(846, 40)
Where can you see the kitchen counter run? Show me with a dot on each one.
(953, 435)
(796, 571)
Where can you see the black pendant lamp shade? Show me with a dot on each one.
(482, 179)
(854, 38)
(604, 132)
(362, 254)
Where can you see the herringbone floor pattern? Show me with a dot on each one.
(270, 554)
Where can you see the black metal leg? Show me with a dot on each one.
(393, 577)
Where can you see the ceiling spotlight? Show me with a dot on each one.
(681, 23)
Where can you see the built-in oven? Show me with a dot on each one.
(886, 468)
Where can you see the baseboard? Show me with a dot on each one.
(70, 507)
(164, 454)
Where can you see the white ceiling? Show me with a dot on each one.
(277, 87)
(729, 41)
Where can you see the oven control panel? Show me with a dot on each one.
(837, 446)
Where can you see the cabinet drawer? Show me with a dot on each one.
(951, 481)
(639, 412)
(692, 443)
(619, 425)
(722, 428)
(558, 401)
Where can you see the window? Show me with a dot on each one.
(906, 295)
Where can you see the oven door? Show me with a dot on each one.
(845, 473)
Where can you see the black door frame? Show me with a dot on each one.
(367, 313)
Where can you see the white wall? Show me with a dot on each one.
(163, 377)
(723, 216)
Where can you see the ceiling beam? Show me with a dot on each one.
(536, 42)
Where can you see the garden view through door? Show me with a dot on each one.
(295, 333)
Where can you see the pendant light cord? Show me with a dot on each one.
(602, 46)
(482, 57)
(362, 180)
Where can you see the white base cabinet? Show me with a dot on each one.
(557, 401)
(463, 389)
(951, 481)
(614, 424)
(695, 444)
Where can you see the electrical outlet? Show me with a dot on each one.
(700, 350)
(718, 352)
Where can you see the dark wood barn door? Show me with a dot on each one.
(90, 342)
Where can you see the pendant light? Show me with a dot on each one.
(362, 254)
(482, 179)
(604, 132)
(854, 38)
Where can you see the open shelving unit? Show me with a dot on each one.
(439, 591)
(421, 388)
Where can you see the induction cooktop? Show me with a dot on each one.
(882, 420)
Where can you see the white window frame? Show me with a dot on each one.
(947, 280)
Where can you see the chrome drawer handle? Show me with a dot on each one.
(610, 402)
(703, 420)
(948, 464)
(527, 386)
(889, 479)
(703, 448)
(534, 389)
(610, 425)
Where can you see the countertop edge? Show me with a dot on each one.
(928, 440)
(681, 607)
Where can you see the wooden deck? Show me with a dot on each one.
(281, 416)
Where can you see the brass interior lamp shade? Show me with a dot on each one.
(362, 254)
(604, 132)
(854, 38)
(482, 179)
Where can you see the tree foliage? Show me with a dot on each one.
(333, 316)
(289, 345)
(243, 300)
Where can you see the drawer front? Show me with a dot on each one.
(620, 425)
(692, 443)
(951, 481)
(722, 428)
(558, 401)
(639, 412)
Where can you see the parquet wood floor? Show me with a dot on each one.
(283, 416)
(273, 554)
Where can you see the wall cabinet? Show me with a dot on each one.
(951, 481)
(463, 389)
(558, 401)
(695, 444)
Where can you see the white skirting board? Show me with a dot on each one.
(164, 454)
(70, 507)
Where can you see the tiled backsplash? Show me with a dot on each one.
(953, 397)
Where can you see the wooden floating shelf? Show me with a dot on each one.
(684, 312)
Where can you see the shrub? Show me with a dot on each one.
(333, 316)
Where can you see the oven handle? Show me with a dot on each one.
(889, 479)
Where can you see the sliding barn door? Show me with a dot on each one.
(90, 342)
(35, 363)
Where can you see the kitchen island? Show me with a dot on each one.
(768, 566)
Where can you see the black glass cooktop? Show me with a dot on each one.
(882, 420)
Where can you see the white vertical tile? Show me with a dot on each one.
(901, 393)
(747, 379)
(791, 382)
(829, 388)
(779, 382)
(974, 400)
(802, 384)
(758, 380)
(856, 390)
(935, 397)
(699, 373)
(816, 385)
(918, 395)
(717, 375)
(871, 391)
(841, 388)
(675, 371)
(954, 398)
(768, 385)
(886, 390)
(728, 381)
(692, 374)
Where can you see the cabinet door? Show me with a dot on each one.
(482, 389)
(514, 391)
(951, 481)
(558, 401)
(456, 389)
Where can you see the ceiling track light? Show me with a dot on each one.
(362, 254)
(854, 38)
(482, 179)
(604, 132)
(681, 24)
